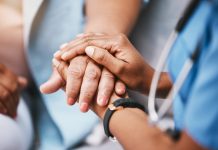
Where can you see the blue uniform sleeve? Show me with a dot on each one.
(201, 115)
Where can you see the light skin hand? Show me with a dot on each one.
(81, 82)
(10, 86)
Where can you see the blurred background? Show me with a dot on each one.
(16, 4)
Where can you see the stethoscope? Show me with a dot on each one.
(156, 116)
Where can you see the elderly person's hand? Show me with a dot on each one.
(62, 68)
(85, 81)
(10, 87)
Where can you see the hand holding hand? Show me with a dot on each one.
(116, 54)
(62, 68)
(85, 81)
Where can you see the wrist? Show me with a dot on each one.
(148, 73)
(124, 117)
(119, 106)
(164, 85)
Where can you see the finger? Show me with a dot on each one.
(78, 48)
(3, 110)
(22, 82)
(66, 46)
(57, 54)
(6, 101)
(105, 88)
(53, 84)
(9, 81)
(11, 103)
(75, 75)
(62, 68)
(103, 57)
(120, 88)
(89, 85)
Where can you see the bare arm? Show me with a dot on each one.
(134, 122)
(130, 126)
(111, 16)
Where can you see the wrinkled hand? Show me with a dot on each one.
(85, 80)
(10, 87)
(62, 68)
(116, 54)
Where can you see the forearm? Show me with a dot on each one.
(164, 83)
(111, 16)
(143, 136)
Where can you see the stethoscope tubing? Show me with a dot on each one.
(154, 116)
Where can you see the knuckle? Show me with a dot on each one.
(120, 70)
(60, 67)
(108, 75)
(71, 93)
(86, 94)
(76, 72)
(121, 38)
(93, 74)
(86, 39)
(4, 95)
(100, 57)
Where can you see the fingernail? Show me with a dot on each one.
(70, 101)
(55, 62)
(63, 45)
(84, 107)
(121, 90)
(57, 54)
(89, 51)
(64, 56)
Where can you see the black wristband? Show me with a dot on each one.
(118, 104)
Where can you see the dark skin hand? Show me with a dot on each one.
(10, 87)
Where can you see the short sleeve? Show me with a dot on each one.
(201, 114)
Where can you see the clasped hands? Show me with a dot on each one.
(98, 67)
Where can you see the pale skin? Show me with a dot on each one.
(118, 55)
(90, 80)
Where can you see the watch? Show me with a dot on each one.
(119, 104)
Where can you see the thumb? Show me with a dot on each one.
(53, 84)
(22, 82)
(104, 58)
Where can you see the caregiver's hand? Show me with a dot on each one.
(116, 54)
(10, 86)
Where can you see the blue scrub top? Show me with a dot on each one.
(196, 105)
